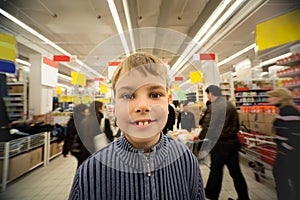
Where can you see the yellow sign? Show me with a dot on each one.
(278, 31)
(66, 99)
(86, 99)
(58, 90)
(76, 100)
(195, 77)
(78, 78)
(176, 87)
(103, 88)
(7, 47)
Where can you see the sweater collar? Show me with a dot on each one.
(136, 158)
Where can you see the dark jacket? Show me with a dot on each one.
(171, 120)
(287, 128)
(187, 120)
(221, 118)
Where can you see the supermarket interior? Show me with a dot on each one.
(55, 55)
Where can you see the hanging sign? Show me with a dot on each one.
(103, 88)
(7, 53)
(49, 72)
(278, 31)
(78, 78)
(58, 90)
(61, 58)
(195, 77)
(112, 66)
(205, 56)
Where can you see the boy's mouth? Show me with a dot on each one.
(142, 123)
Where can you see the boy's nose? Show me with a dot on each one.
(143, 108)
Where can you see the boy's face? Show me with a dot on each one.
(141, 105)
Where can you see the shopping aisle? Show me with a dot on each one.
(54, 182)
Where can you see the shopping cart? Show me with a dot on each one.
(260, 150)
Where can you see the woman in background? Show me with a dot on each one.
(287, 129)
(72, 141)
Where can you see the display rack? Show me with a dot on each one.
(292, 75)
(22, 155)
(16, 101)
(253, 93)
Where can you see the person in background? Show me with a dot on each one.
(225, 151)
(143, 163)
(287, 129)
(186, 119)
(171, 119)
(90, 126)
(72, 141)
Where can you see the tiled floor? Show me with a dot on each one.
(53, 182)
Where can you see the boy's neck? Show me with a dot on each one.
(146, 146)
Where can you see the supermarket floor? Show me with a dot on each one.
(53, 182)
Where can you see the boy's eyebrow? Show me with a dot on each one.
(125, 88)
(156, 87)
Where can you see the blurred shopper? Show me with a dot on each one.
(287, 129)
(91, 125)
(171, 119)
(225, 151)
(72, 141)
(186, 119)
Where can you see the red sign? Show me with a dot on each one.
(178, 78)
(61, 58)
(207, 56)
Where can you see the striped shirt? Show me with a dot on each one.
(119, 171)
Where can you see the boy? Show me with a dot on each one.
(143, 163)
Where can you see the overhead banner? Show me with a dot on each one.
(49, 72)
(278, 31)
(195, 77)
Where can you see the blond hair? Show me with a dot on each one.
(147, 60)
(287, 97)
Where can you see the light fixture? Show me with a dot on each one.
(273, 60)
(252, 46)
(23, 62)
(43, 38)
(211, 30)
(64, 77)
(129, 25)
(201, 32)
(118, 24)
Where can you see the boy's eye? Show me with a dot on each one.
(155, 95)
(128, 96)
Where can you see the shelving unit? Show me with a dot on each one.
(247, 95)
(292, 75)
(17, 102)
(22, 155)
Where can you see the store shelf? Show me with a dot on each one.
(22, 155)
(16, 102)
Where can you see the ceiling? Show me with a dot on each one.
(86, 29)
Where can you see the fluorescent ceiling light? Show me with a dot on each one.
(118, 24)
(23, 62)
(129, 25)
(201, 32)
(43, 38)
(273, 60)
(64, 77)
(252, 46)
(212, 30)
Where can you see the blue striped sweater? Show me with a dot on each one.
(119, 171)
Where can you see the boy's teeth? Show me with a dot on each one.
(146, 122)
(140, 123)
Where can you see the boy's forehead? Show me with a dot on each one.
(136, 79)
